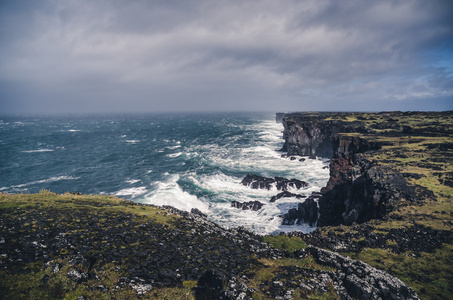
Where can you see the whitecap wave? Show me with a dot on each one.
(132, 181)
(173, 155)
(133, 192)
(48, 180)
(170, 193)
(38, 150)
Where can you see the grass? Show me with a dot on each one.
(284, 242)
(429, 275)
(271, 268)
(99, 203)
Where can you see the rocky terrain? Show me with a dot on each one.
(384, 227)
(93, 247)
(390, 178)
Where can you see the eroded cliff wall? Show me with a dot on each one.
(358, 190)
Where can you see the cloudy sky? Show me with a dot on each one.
(201, 55)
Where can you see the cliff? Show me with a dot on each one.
(359, 189)
(390, 184)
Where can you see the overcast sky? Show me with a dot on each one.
(200, 55)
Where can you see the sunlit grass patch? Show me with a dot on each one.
(429, 274)
(284, 242)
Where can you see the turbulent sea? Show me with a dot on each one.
(183, 160)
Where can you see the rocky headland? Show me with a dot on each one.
(384, 227)
(389, 195)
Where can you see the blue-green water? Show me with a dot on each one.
(184, 160)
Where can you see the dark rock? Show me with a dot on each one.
(45, 279)
(282, 184)
(77, 276)
(196, 211)
(306, 212)
(208, 286)
(286, 194)
(250, 205)
(258, 182)
(361, 280)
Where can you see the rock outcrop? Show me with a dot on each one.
(282, 184)
(306, 212)
(250, 205)
(360, 280)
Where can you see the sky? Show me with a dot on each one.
(125, 56)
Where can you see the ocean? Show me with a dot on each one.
(186, 160)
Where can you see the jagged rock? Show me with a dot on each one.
(196, 211)
(250, 205)
(282, 184)
(306, 212)
(361, 280)
(77, 276)
(141, 288)
(257, 182)
(286, 194)
(208, 286)
(358, 190)
(236, 289)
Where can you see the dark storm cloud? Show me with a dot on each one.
(81, 56)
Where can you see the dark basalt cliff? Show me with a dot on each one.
(358, 190)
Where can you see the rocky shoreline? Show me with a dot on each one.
(378, 206)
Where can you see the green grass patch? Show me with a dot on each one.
(284, 242)
(93, 203)
(429, 275)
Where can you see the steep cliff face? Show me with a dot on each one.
(309, 137)
(358, 190)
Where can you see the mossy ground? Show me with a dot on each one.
(93, 219)
(25, 282)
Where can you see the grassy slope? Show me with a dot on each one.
(25, 281)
